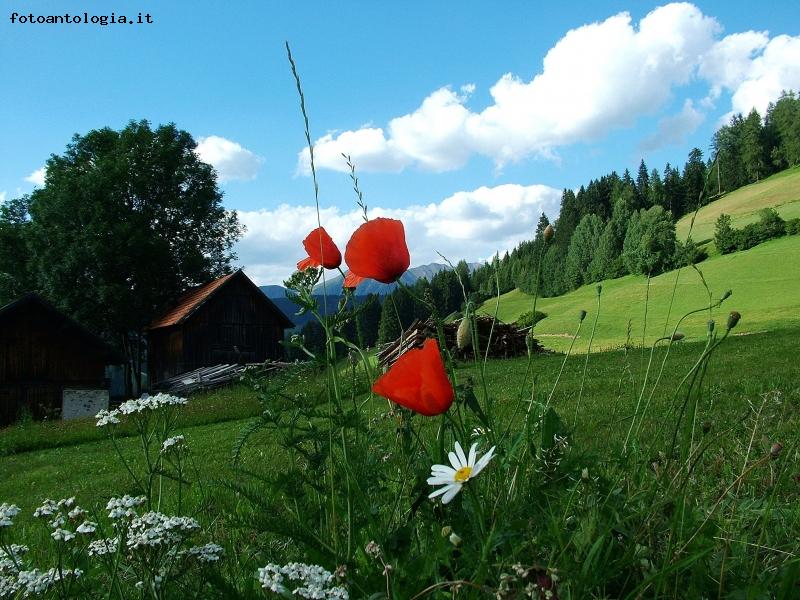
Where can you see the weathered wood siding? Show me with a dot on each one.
(235, 325)
(40, 355)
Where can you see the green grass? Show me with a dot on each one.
(751, 399)
(764, 281)
(747, 367)
(225, 404)
(780, 191)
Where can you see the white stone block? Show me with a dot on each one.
(83, 403)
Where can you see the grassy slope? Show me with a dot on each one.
(745, 368)
(766, 290)
(781, 191)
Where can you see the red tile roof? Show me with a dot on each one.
(188, 303)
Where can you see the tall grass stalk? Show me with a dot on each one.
(586, 360)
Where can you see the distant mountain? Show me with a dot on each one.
(277, 293)
(382, 289)
(274, 291)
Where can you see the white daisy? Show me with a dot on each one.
(462, 470)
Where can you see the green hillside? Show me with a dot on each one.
(764, 281)
(781, 192)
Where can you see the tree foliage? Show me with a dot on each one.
(126, 222)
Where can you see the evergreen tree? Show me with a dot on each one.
(783, 128)
(582, 249)
(656, 195)
(694, 180)
(643, 186)
(727, 143)
(607, 262)
(673, 191)
(649, 245)
(367, 321)
(752, 147)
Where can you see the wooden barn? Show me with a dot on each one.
(228, 320)
(50, 366)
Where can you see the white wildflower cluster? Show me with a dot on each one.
(103, 546)
(301, 580)
(208, 553)
(175, 444)
(87, 527)
(36, 582)
(129, 407)
(62, 535)
(157, 529)
(50, 508)
(124, 507)
(105, 417)
(10, 559)
(7, 514)
(60, 513)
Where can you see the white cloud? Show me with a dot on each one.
(597, 78)
(231, 161)
(470, 225)
(754, 68)
(2, 196)
(674, 129)
(37, 177)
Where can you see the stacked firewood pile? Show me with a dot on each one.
(506, 340)
(211, 377)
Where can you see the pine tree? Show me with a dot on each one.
(752, 146)
(643, 186)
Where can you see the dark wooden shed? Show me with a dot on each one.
(43, 353)
(228, 320)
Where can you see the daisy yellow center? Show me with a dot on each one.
(463, 474)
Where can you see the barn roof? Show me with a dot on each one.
(192, 300)
(66, 324)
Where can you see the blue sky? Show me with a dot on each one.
(464, 119)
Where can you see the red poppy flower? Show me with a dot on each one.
(322, 252)
(418, 380)
(351, 280)
(377, 250)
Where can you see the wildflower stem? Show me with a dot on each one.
(586, 361)
(561, 370)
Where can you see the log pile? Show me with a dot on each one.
(207, 378)
(507, 340)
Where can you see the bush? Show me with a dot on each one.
(689, 253)
(529, 319)
(725, 236)
(792, 227)
(771, 223)
(749, 236)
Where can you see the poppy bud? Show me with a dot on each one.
(710, 325)
(599, 289)
(582, 315)
(775, 451)
(706, 427)
(446, 531)
(726, 295)
(462, 334)
(733, 319)
(548, 234)
(677, 336)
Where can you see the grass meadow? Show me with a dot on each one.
(780, 191)
(751, 400)
(764, 282)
